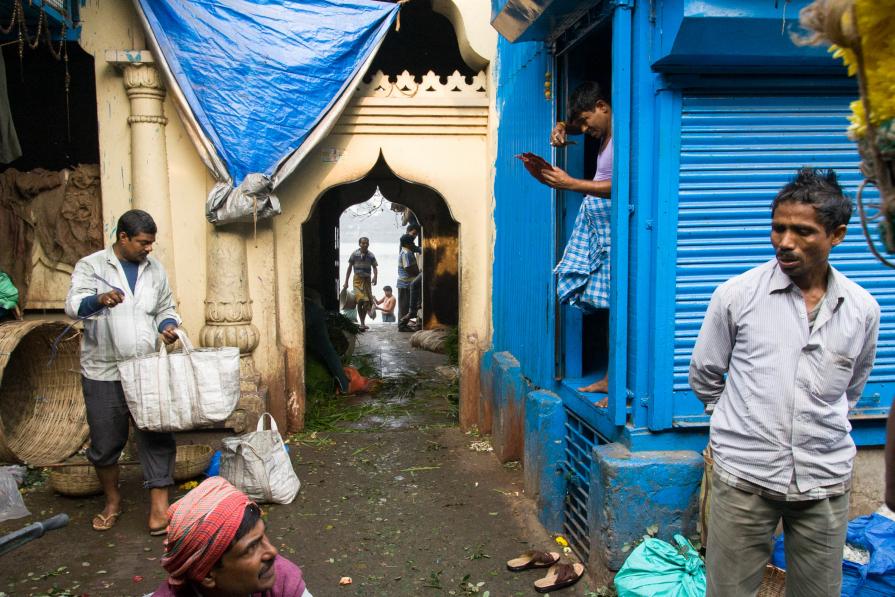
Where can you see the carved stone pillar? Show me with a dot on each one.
(228, 308)
(228, 318)
(149, 154)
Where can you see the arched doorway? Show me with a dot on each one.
(440, 234)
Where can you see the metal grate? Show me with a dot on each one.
(581, 439)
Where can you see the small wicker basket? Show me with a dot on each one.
(77, 479)
(774, 582)
(191, 461)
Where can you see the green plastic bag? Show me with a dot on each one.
(658, 569)
(9, 294)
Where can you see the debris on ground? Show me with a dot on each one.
(481, 446)
(449, 372)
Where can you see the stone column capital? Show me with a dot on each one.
(142, 77)
(142, 83)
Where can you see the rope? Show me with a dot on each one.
(860, 201)
(54, 347)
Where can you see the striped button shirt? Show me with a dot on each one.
(780, 417)
(362, 263)
(130, 328)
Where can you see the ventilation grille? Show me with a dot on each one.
(581, 439)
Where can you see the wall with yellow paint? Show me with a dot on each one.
(457, 165)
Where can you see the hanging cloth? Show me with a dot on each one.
(10, 149)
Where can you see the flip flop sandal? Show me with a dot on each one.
(159, 532)
(533, 559)
(559, 577)
(104, 523)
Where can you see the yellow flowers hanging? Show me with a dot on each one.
(867, 26)
(875, 27)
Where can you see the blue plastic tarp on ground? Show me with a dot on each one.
(876, 578)
(259, 75)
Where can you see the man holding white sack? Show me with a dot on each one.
(122, 295)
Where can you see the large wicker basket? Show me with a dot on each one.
(42, 415)
(191, 461)
(77, 479)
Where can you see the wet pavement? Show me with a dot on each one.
(394, 495)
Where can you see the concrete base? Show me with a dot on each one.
(868, 482)
(508, 391)
(633, 491)
(544, 451)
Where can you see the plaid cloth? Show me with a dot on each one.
(201, 526)
(583, 271)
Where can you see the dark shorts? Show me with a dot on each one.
(388, 318)
(109, 420)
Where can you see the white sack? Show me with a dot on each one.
(257, 464)
(182, 390)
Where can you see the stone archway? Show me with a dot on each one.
(441, 280)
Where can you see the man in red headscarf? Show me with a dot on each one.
(217, 546)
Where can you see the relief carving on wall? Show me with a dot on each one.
(62, 209)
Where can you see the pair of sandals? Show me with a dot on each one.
(559, 574)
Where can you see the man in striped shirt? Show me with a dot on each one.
(784, 351)
(363, 262)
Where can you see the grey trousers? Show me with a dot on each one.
(109, 420)
(741, 533)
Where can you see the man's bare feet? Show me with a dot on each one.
(158, 510)
(604, 403)
(598, 387)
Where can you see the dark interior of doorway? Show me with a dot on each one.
(426, 41)
(582, 338)
(320, 241)
(56, 126)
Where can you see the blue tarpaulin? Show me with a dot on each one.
(262, 80)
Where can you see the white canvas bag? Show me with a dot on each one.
(257, 464)
(182, 390)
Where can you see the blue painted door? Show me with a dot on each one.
(735, 154)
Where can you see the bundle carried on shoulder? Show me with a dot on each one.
(183, 390)
(257, 463)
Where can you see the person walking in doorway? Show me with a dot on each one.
(122, 295)
(783, 354)
(363, 262)
(583, 271)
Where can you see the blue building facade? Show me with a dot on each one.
(714, 109)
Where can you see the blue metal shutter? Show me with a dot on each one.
(736, 153)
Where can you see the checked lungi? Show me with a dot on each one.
(583, 271)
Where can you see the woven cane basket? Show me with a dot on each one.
(42, 415)
(774, 582)
(191, 461)
(78, 479)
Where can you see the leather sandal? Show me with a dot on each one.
(532, 559)
(559, 576)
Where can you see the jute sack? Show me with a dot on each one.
(257, 464)
(182, 390)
